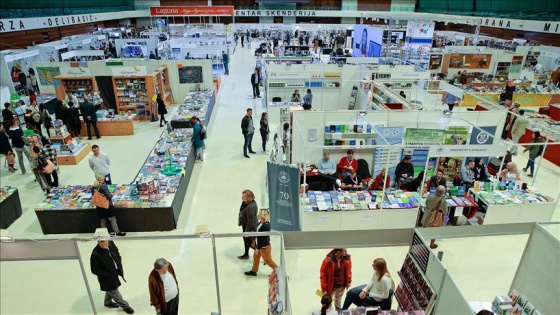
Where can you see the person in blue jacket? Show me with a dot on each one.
(198, 137)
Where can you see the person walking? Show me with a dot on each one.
(255, 81)
(242, 39)
(73, 118)
(198, 141)
(450, 100)
(106, 264)
(46, 168)
(308, 100)
(99, 163)
(264, 130)
(518, 130)
(46, 118)
(375, 291)
(336, 274)
(435, 202)
(106, 213)
(263, 247)
(535, 150)
(33, 79)
(7, 115)
(6, 150)
(90, 117)
(248, 130)
(164, 288)
(225, 59)
(247, 219)
(161, 109)
(16, 134)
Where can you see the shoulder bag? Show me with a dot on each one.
(436, 218)
(49, 168)
(99, 200)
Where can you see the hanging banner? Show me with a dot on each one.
(484, 136)
(214, 10)
(391, 156)
(75, 72)
(468, 150)
(283, 194)
(129, 71)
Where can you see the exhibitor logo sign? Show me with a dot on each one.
(284, 177)
(481, 150)
(129, 71)
(259, 13)
(11, 25)
(192, 10)
(75, 71)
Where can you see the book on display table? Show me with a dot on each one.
(152, 202)
(359, 200)
(199, 104)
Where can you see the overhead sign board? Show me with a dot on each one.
(192, 10)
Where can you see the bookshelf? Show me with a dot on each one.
(80, 86)
(349, 135)
(134, 91)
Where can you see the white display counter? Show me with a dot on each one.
(359, 220)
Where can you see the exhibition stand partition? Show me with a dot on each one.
(21, 59)
(278, 301)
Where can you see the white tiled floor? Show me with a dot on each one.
(213, 198)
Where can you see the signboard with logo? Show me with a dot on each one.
(192, 10)
(75, 72)
(135, 71)
(483, 135)
(283, 195)
(468, 150)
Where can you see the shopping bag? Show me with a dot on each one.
(99, 200)
(436, 218)
(49, 168)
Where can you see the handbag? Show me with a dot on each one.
(49, 168)
(99, 200)
(436, 218)
(11, 158)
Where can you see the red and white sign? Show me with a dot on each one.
(214, 10)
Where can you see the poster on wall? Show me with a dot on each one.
(470, 61)
(367, 41)
(283, 197)
(456, 135)
(46, 74)
(190, 75)
(421, 139)
(435, 61)
(391, 156)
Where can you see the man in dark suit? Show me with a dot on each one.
(105, 263)
(255, 81)
(88, 112)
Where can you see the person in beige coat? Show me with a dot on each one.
(434, 202)
(518, 130)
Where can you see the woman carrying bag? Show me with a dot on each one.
(47, 167)
(262, 245)
(102, 199)
(436, 210)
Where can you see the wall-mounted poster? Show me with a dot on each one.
(190, 75)
(435, 61)
(470, 61)
(46, 74)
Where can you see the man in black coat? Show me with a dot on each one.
(90, 117)
(255, 81)
(105, 262)
(404, 170)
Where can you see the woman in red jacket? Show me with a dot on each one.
(336, 274)
(347, 163)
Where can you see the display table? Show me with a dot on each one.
(467, 207)
(514, 206)
(10, 206)
(346, 210)
(72, 212)
(199, 104)
(76, 158)
(123, 127)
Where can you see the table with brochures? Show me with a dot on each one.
(359, 210)
(10, 206)
(152, 202)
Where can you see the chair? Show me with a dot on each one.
(363, 170)
(387, 303)
(277, 99)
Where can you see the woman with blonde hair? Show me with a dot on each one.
(109, 213)
(262, 246)
(376, 291)
(247, 219)
(510, 173)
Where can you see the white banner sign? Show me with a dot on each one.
(289, 75)
(410, 75)
(75, 72)
(136, 71)
(470, 150)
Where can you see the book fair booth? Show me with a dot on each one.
(426, 283)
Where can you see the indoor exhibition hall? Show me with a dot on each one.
(282, 157)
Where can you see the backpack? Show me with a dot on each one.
(202, 133)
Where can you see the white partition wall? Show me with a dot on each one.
(538, 274)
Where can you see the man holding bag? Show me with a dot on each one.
(436, 210)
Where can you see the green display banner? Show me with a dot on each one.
(456, 135)
(114, 63)
(423, 137)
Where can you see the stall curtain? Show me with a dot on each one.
(105, 85)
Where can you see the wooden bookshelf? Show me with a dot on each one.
(132, 91)
(80, 86)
